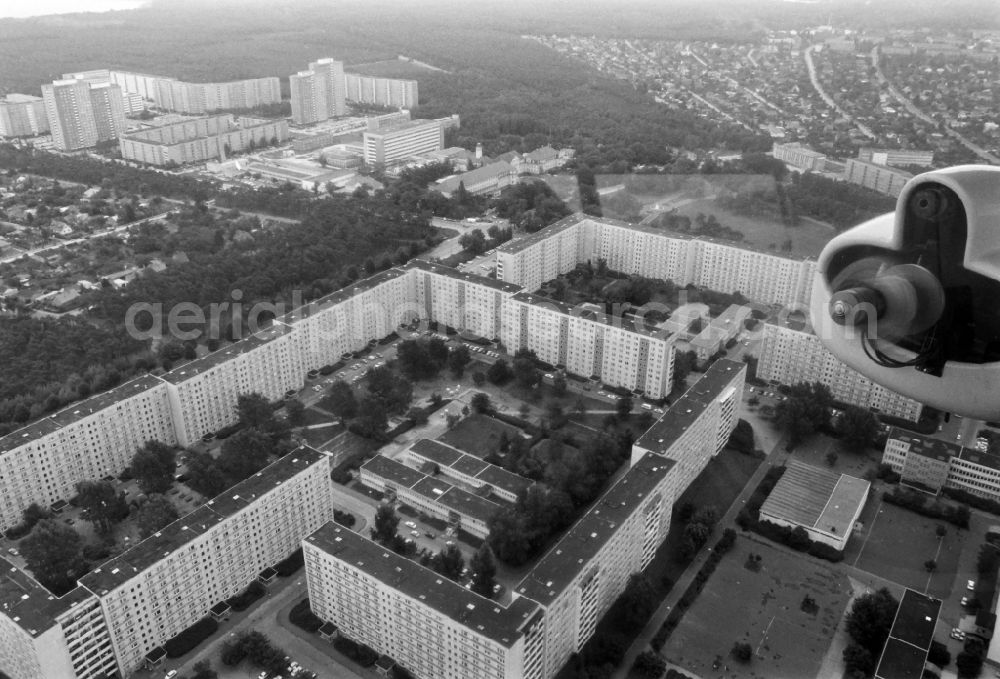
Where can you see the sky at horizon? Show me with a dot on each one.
(21, 10)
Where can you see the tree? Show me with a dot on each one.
(386, 525)
(930, 565)
(479, 378)
(340, 400)
(649, 665)
(203, 670)
(474, 241)
(449, 562)
(53, 555)
(969, 664)
(742, 651)
(458, 358)
(154, 514)
(481, 403)
(559, 385)
(859, 428)
(806, 409)
(684, 363)
(525, 373)
(508, 538)
(253, 410)
(555, 415)
(939, 654)
(296, 411)
(858, 659)
(623, 407)
(153, 467)
(373, 419)
(940, 530)
(870, 619)
(484, 568)
(244, 454)
(499, 372)
(204, 474)
(102, 504)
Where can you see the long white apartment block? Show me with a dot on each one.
(98, 437)
(590, 343)
(204, 392)
(133, 603)
(655, 253)
(698, 425)
(432, 626)
(90, 439)
(789, 356)
(42, 636)
(435, 628)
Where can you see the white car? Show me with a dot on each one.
(410, 524)
(647, 406)
(414, 533)
(170, 675)
(971, 585)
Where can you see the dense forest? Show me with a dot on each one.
(90, 172)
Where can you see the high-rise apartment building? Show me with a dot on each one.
(896, 156)
(758, 275)
(434, 627)
(876, 177)
(366, 89)
(198, 98)
(392, 144)
(81, 114)
(799, 156)
(318, 93)
(130, 606)
(22, 115)
(789, 356)
(201, 139)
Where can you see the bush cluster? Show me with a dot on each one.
(188, 639)
(917, 502)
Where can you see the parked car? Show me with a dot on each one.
(415, 534)
(971, 585)
(430, 535)
(410, 524)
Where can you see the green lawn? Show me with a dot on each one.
(478, 435)
(761, 607)
(895, 543)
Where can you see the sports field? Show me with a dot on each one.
(761, 606)
(895, 543)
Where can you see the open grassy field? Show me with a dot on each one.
(808, 238)
(478, 435)
(761, 606)
(895, 544)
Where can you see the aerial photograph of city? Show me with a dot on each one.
(565, 339)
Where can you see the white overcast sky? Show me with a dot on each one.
(16, 8)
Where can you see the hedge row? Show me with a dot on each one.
(917, 502)
(244, 599)
(291, 564)
(302, 616)
(191, 637)
(981, 503)
(359, 653)
(722, 547)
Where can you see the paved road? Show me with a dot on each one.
(827, 98)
